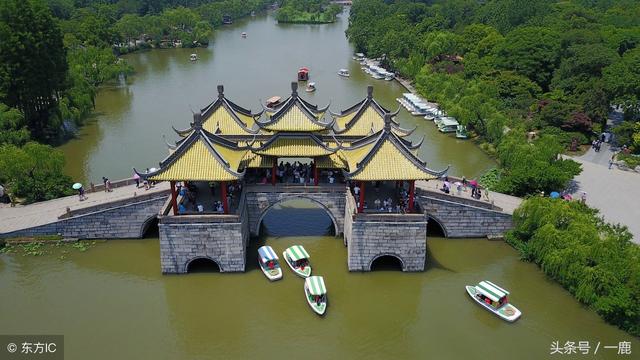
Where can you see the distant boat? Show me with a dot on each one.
(273, 101)
(344, 72)
(253, 13)
(447, 124)
(193, 57)
(494, 298)
(244, 34)
(303, 74)
(311, 87)
(226, 20)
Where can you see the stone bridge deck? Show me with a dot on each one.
(21, 217)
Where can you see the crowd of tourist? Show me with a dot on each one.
(397, 202)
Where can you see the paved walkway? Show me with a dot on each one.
(507, 203)
(614, 192)
(46, 212)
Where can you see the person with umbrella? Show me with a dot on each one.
(80, 189)
(554, 195)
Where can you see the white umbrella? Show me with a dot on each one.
(76, 186)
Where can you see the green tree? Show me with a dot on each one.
(530, 51)
(33, 64)
(12, 126)
(622, 80)
(34, 172)
(530, 168)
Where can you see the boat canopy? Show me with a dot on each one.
(447, 121)
(315, 284)
(491, 290)
(267, 254)
(297, 252)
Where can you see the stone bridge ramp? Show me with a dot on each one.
(122, 213)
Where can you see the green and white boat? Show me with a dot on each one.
(269, 264)
(316, 294)
(494, 298)
(461, 132)
(298, 260)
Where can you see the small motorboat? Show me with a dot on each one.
(273, 101)
(344, 73)
(461, 132)
(316, 293)
(298, 260)
(311, 87)
(269, 264)
(494, 298)
(303, 74)
(193, 57)
(253, 13)
(243, 35)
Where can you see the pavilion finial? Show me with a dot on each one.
(387, 122)
(370, 91)
(294, 89)
(220, 91)
(197, 120)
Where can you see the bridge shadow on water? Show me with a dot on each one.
(298, 217)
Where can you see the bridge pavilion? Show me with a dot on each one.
(226, 141)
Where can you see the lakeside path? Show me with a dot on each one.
(46, 212)
(612, 191)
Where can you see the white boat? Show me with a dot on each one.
(244, 34)
(193, 57)
(316, 293)
(461, 132)
(377, 76)
(494, 298)
(344, 73)
(298, 260)
(448, 125)
(389, 76)
(311, 87)
(269, 264)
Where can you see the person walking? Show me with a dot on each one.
(104, 183)
(611, 161)
(81, 195)
(583, 197)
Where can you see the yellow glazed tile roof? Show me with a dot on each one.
(331, 161)
(353, 157)
(294, 119)
(284, 147)
(196, 163)
(388, 163)
(252, 160)
(222, 119)
(362, 127)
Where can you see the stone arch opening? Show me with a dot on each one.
(386, 262)
(318, 205)
(202, 265)
(149, 228)
(436, 228)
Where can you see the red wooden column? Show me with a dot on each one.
(223, 193)
(174, 198)
(315, 172)
(412, 189)
(274, 168)
(361, 197)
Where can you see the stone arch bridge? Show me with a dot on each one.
(129, 211)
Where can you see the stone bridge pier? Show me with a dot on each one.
(261, 198)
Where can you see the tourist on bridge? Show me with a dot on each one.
(136, 178)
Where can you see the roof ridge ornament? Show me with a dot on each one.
(294, 89)
(370, 92)
(387, 122)
(197, 120)
(220, 91)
